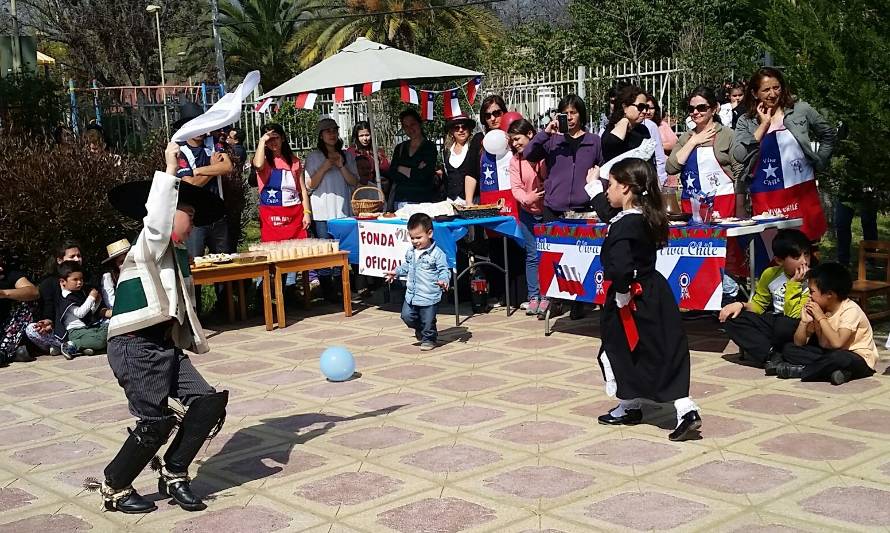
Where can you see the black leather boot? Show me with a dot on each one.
(126, 501)
(177, 485)
(203, 419)
(140, 447)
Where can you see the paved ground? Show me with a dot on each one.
(495, 431)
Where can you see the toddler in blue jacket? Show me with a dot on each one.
(426, 268)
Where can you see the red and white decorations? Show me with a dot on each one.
(473, 89)
(427, 100)
(409, 94)
(452, 104)
(305, 100)
(370, 88)
(341, 94)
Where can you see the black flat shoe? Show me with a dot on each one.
(691, 422)
(789, 371)
(770, 368)
(629, 418)
(180, 491)
(127, 501)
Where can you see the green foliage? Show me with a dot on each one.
(605, 32)
(454, 31)
(30, 105)
(837, 57)
(51, 193)
(298, 123)
(259, 34)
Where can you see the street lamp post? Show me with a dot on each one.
(156, 9)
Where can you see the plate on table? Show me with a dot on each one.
(769, 216)
(677, 223)
(368, 216)
(736, 222)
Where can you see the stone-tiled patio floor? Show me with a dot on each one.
(494, 431)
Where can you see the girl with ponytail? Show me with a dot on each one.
(644, 353)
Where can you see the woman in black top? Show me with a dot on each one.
(461, 159)
(625, 130)
(413, 166)
(16, 293)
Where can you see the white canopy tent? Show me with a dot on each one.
(365, 61)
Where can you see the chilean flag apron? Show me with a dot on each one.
(784, 182)
(281, 209)
(494, 182)
(703, 176)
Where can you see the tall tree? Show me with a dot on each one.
(107, 40)
(417, 26)
(259, 34)
(837, 57)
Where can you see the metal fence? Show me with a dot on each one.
(130, 114)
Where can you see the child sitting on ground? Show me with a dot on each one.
(767, 322)
(428, 275)
(78, 314)
(834, 340)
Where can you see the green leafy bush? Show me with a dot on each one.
(30, 105)
(51, 193)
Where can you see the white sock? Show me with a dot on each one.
(683, 406)
(611, 385)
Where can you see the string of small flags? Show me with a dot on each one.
(409, 94)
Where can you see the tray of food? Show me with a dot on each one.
(479, 210)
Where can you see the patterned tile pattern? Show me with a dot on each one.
(494, 431)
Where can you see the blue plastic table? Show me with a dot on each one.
(446, 235)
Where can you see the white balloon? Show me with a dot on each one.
(495, 143)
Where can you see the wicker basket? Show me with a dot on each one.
(367, 200)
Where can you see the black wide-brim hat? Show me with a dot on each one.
(461, 119)
(130, 198)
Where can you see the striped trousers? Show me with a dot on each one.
(152, 370)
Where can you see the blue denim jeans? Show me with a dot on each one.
(527, 226)
(843, 220)
(422, 319)
(214, 237)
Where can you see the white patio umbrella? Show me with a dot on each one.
(365, 61)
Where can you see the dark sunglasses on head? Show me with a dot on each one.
(642, 107)
(494, 114)
(701, 108)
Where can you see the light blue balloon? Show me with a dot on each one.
(337, 364)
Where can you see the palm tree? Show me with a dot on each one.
(405, 24)
(257, 35)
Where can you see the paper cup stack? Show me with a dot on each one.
(296, 248)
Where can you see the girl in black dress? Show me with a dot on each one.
(644, 354)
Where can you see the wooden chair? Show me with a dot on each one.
(864, 288)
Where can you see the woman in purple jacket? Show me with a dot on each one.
(569, 158)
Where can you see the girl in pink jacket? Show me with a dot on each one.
(527, 184)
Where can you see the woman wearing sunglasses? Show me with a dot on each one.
(493, 108)
(461, 159)
(774, 142)
(625, 130)
(701, 156)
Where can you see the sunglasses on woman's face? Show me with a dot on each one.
(494, 114)
(458, 127)
(701, 108)
(642, 108)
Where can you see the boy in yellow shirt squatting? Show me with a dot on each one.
(763, 325)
